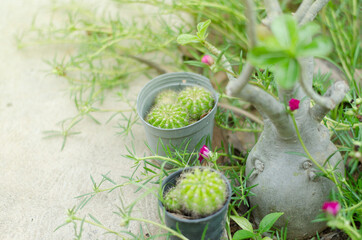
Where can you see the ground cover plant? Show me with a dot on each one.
(104, 63)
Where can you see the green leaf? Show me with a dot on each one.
(267, 238)
(184, 39)
(287, 73)
(197, 64)
(285, 30)
(243, 234)
(243, 223)
(268, 221)
(307, 31)
(320, 46)
(261, 56)
(202, 28)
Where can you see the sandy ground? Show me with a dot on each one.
(38, 181)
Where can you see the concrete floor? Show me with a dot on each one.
(38, 182)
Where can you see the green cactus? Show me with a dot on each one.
(197, 100)
(171, 200)
(168, 116)
(167, 96)
(198, 193)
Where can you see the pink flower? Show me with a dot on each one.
(204, 153)
(207, 59)
(332, 207)
(294, 104)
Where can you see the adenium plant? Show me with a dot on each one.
(294, 145)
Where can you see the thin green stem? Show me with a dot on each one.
(328, 174)
(338, 187)
(160, 226)
(305, 148)
(99, 225)
(352, 208)
(233, 156)
(159, 158)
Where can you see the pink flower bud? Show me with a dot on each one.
(204, 153)
(207, 59)
(331, 207)
(294, 104)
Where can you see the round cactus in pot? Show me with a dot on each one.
(198, 193)
(195, 202)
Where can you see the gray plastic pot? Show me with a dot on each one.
(196, 134)
(194, 228)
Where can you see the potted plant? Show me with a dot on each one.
(195, 201)
(294, 148)
(165, 130)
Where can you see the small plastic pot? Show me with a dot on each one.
(196, 134)
(194, 228)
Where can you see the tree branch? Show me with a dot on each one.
(335, 94)
(251, 25)
(272, 8)
(312, 11)
(236, 85)
(306, 82)
(270, 107)
(302, 10)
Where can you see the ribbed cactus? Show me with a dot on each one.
(198, 193)
(171, 201)
(197, 100)
(166, 97)
(168, 116)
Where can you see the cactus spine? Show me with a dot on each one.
(168, 116)
(198, 193)
(197, 100)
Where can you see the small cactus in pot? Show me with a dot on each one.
(199, 192)
(195, 200)
(173, 109)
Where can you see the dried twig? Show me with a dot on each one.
(242, 112)
(149, 63)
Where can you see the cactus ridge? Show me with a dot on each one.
(197, 100)
(168, 116)
(166, 97)
(199, 193)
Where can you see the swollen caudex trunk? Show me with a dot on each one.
(288, 182)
